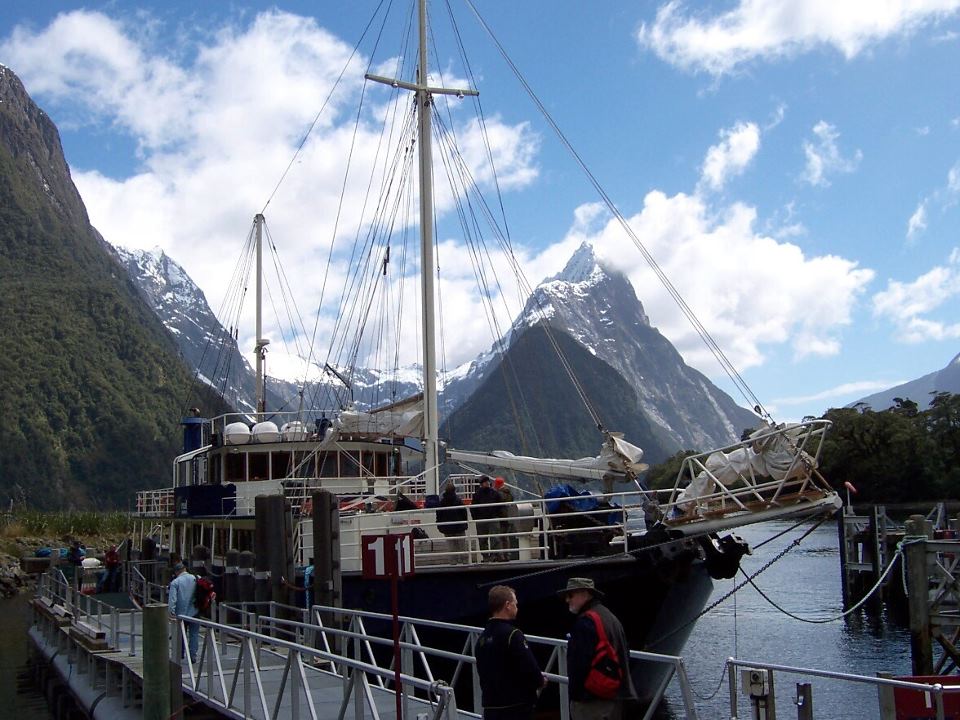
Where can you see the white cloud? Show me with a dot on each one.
(775, 29)
(216, 125)
(731, 155)
(909, 306)
(918, 221)
(749, 290)
(844, 391)
(823, 157)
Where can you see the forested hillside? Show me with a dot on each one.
(90, 382)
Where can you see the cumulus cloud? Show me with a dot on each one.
(731, 155)
(912, 306)
(774, 29)
(823, 157)
(216, 123)
(748, 289)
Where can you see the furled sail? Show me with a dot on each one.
(403, 418)
(618, 460)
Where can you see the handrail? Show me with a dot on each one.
(936, 689)
(356, 631)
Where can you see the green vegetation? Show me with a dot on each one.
(903, 454)
(91, 385)
(63, 524)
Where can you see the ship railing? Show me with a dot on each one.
(753, 683)
(155, 503)
(774, 467)
(237, 669)
(367, 636)
(355, 492)
(91, 616)
(530, 529)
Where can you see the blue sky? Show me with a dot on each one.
(793, 166)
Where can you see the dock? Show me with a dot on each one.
(267, 660)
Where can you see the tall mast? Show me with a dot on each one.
(424, 99)
(260, 348)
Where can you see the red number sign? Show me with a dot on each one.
(386, 556)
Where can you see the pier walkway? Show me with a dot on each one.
(267, 660)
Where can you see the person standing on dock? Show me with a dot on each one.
(182, 588)
(594, 624)
(510, 676)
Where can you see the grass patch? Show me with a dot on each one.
(59, 524)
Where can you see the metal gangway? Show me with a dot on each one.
(270, 660)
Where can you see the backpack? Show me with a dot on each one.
(606, 672)
(204, 594)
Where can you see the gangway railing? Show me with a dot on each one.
(757, 682)
(329, 628)
(233, 662)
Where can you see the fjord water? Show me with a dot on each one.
(806, 583)
(18, 695)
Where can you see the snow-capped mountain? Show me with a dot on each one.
(595, 306)
(599, 308)
(212, 350)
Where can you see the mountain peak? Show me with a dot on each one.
(583, 266)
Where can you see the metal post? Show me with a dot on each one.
(156, 663)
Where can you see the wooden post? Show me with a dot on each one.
(844, 571)
(888, 706)
(876, 556)
(327, 582)
(156, 663)
(918, 584)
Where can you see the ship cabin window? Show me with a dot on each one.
(304, 464)
(282, 464)
(328, 464)
(258, 465)
(351, 463)
(235, 467)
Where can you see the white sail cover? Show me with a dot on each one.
(771, 452)
(404, 418)
(618, 459)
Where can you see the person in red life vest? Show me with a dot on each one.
(598, 657)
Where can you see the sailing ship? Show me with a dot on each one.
(653, 552)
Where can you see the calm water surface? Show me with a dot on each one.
(806, 582)
(18, 697)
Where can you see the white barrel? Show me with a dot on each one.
(236, 433)
(266, 432)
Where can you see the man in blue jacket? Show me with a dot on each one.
(182, 589)
(509, 673)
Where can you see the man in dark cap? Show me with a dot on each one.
(584, 600)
